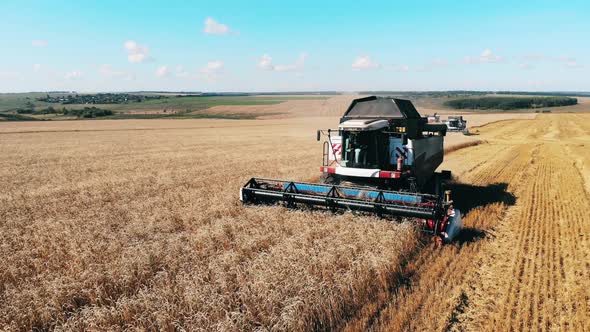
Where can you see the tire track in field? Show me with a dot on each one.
(536, 275)
(439, 272)
(531, 271)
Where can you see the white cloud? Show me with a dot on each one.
(73, 75)
(265, 63)
(212, 66)
(136, 53)
(397, 68)
(180, 72)
(213, 27)
(9, 74)
(36, 67)
(108, 71)
(39, 43)
(570, 62)
(162, 71)
(534, 57)
(537, 84)
(432, 65)
(486, 56)
(469, 59)
(291, 67)
(525, 66)
(298, 65)
(565, 61)
(438, 62)
(212, 70)
(363, 62)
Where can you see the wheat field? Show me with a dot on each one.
(109, 229)
(114, 225)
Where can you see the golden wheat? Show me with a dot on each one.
(142, 228)
(136, 224)
(528, 270)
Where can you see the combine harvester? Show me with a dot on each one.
(457, 123)
(381, 160)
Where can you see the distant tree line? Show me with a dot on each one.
(509, 103)
(546, 93)
(425, 94)
(86, 112)
(17, 117)
(99, 98)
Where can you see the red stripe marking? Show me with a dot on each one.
(329, 170)
(389, 174)
(336, 148)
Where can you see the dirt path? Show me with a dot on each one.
(522, 262)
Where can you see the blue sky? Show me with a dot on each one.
(298, 45)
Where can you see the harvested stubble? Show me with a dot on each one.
(522, 262)
(115, 229)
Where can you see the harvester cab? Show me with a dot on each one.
(384, 142)
(382, 159)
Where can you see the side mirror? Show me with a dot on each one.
(319, 134)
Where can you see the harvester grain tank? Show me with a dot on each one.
(382, 159)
